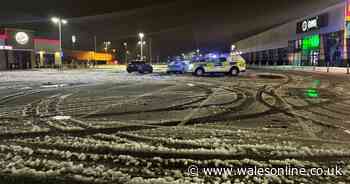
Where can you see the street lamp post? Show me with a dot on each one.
(142, 43)
(60, 22)
(141, 35)
(126, 52)
(107, 44)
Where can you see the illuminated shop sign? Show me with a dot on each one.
(311, 42)
(313, 23)
(22, 38)
(5, 47)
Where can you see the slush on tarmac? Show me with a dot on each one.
(108, 126)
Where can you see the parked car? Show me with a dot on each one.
(139, 66)
(178, 67)
(233, 65)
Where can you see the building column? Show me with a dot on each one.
(10, 59)
(322, 60)
(41, 59)
(32, 60)
(3, 60)
(58, 59)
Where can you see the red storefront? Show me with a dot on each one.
(19, 49)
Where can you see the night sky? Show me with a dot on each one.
(173, 26)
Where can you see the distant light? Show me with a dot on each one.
(74, 39)
(55, 20)
(233, 47)
(143, 43)
(141, 35)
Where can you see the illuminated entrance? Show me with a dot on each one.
(311, 50)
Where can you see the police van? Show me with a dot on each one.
(232, 65)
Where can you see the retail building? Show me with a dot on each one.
(21, 49)
(316, 40)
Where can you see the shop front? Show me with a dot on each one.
(316, 40)
(318, 50)
(20, 50)
(313, 48)
(16, 49)
(47, 53)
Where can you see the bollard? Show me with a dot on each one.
(327, 68)
(348, 69)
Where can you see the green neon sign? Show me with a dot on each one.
(311, 42)
(312, 93)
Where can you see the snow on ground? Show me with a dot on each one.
(84, 76)
(134, 132)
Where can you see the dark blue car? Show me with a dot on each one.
(139, 66)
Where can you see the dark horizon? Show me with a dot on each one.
(174, 27)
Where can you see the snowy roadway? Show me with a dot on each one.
(107, 126)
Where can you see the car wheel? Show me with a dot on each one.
(129, 71)
(199, 72)
(234, 72)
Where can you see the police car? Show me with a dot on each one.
(232, 65)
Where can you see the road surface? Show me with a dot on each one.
(103, 126)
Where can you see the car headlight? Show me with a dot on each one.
(190, 67)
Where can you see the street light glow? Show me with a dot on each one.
(58, 20)
(55, 20)
(141, 35)
(143, 43)
(74, 39)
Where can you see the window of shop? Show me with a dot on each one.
(271, 59)
(333, 49)
(265, 57)
(282, 55)
(49, 60)
(21, 60)
(294, 49)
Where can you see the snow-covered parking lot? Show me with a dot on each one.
(107, 126)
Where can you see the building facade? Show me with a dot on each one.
(316, 40)
(21, 49)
